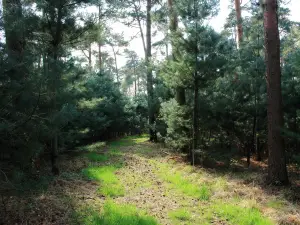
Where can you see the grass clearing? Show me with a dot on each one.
(110, 184)
(115, 214)
(142, 175)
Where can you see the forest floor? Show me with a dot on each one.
(133, 182)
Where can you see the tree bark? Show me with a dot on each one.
(195, 118)
(90, 57)
(116, 63)
(140, 27)
(99, 41)
(15, 41)
(152, 130)
(239, 23)
(135, 79)
(277, 171)
(173, 26)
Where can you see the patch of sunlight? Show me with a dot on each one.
(240, 215)
(110, 184)
(221, 184)
(180, 214)
(116, 214)
(90, 104)
(95, 157)
(84, 131)
(129, 140)
(93, 147)
(177, 181)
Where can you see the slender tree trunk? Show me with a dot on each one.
(55, 76)
(100, 37)
(140, 27)
(135, 79)
(252, 146)
(180, 92)
(90, 57)
(152, 130)
(277, 171)
(239, 22)
(195, 118)
(15, 42)
(116, 63)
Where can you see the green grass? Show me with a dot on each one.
(110, 184)
(177, 181)
(129, 141)
(115, 152)
(115, 214)
(238, 215)
(275, 204)
(180, 214)
(95, 157)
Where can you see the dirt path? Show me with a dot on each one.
(134, 182)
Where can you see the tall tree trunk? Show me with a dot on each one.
(100, 37)
(239, 22)
(135, 79)
(90, 57)
(55, 76)
(277, 171)
(152, 130)
(15, 42)
(180, 92)
(116, 63)
(141, 28)
(195, 118)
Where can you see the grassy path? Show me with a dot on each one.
(134, 182)
(161, 188)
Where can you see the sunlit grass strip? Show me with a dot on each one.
(129, 140)
(115, 214)
(177, 181)
(239, 215)
(110, 185)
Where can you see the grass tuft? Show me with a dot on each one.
(178, 182)
(114, 214)
(110, 185)
(242, 216)
(95, 157)
(180, 214)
